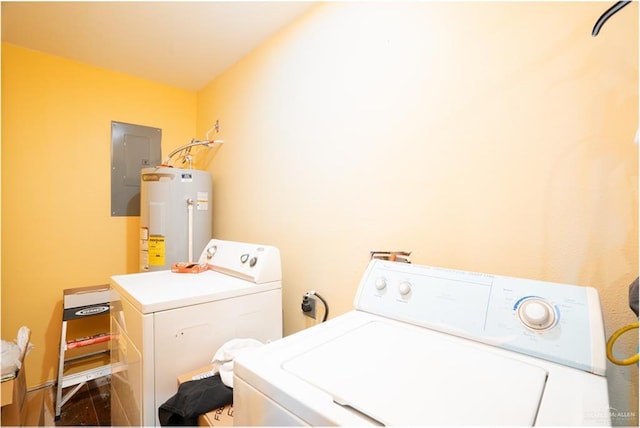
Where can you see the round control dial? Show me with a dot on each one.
(211, 251)
(404, 288)
(536, 313)
(381, 284)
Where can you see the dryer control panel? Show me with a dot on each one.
(252, 262)
(557, 322)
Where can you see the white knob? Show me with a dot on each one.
(404, 288)
(536, 314)
(381, 284)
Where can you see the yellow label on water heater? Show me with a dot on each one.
(156, 250)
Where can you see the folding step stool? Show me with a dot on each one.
(78, 304)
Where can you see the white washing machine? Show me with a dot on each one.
(432, 346)
(165, 323)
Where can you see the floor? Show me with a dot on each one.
(90, 406)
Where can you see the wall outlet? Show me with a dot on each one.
(309, 306)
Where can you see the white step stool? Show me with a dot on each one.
(78, 304)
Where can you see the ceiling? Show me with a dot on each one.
(183, 44)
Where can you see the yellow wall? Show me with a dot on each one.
(494, 137)
(57, 228)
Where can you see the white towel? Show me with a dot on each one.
(223, 358)
(14, 352)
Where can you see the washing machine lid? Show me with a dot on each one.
(421, 378)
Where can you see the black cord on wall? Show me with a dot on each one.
(606, 15)
(307, 295)
(326, 307)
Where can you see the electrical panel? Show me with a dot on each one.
(133, 147)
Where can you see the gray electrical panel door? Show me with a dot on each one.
(133, 147)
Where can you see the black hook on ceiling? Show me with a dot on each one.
(608, 14)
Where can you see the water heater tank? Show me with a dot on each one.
(175, 216)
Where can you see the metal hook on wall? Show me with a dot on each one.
(608, 14)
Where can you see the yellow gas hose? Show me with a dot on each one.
(612, 340)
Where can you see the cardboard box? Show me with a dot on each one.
(222, 417)
(34, 405)
(14, 392)
(18, 407)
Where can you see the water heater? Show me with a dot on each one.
(175, 216)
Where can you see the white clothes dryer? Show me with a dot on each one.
(432, 346)
(164, 323)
